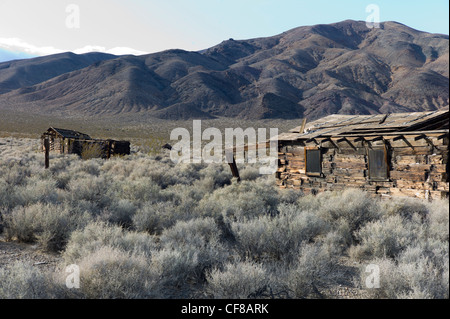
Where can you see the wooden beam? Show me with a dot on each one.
(344, 139)
(312, 140)
(328, 139)
(421, 136)
(350, 143)
(428, 133)
(377, 138)
(405, 140)
(426, 138)
(383, 119)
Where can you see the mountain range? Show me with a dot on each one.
(310, 71)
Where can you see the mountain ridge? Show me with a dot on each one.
(309, 71)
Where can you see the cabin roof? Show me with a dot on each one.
(377, 124)
(69, 133)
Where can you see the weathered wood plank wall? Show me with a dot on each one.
(418, 166)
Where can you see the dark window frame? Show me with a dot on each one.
(314, 173)
(375, 175)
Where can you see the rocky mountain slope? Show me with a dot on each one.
(309, 71)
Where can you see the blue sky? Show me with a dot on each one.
(143, 26)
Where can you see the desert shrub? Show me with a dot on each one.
(410, 247)
(405, 207)
(20, 224)
(186, 199)
(15, 174)
(289, 196)
(8, 198)
(241, 200)
(62, 180)
(315, 269)
(386, 237)
(414, 276)
(89, 188)
(138, 243)
(219, 173)
(120, 212)
(32, 190)
(438, 220)
(155, 217)
(177, 270)
(37, 190)
(198, 232)
(202, 187)
(91, 166)
(238, 280)
(163, 176)
(23, 281)
(336, 242)
(352, 207)
(280, 236)
(62, 163)
(139, 190)
(117, 167)
(188, 172)
(200, 236)
(95, 235)
(110, 273)
(166, 174)
(49, 225)
(249, 174)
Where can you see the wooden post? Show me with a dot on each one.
(302, 128)
(109, 144)
(232, 162)
(47, 152)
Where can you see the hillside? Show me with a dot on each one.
(309, 71)
(28, 72)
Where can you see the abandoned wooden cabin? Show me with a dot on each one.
(72, 142)
(400, 154)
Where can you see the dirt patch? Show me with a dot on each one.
(11, 251)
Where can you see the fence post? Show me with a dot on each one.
(47, 152)
(232, 162)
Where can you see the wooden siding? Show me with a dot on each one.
(417, 164)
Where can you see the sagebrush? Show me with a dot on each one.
(140, 226)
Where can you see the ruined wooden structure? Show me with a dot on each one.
(401, 154)
(64, 141)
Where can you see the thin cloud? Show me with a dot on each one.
(125, 50)
(18, 45)
(115, 51)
